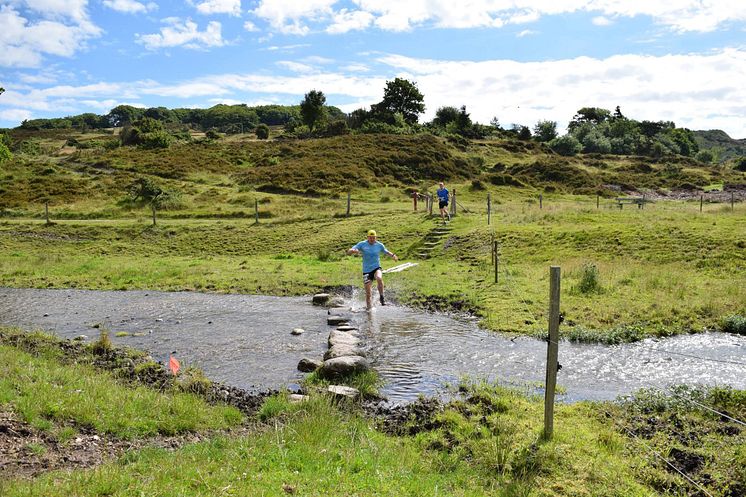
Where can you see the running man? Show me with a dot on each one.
(443, 196)
(371, 251)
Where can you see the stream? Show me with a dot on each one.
(245, 341)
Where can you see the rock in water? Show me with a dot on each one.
(320, 298)
(309, 365)
(342, 366)
(297, 331)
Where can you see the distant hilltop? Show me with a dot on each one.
(722, 144)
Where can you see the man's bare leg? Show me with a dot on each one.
(379, 280)
(368, 291)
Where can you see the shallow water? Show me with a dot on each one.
(245, 340)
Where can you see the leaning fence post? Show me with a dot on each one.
(489, 208)
(552, 350)
(348, 205)
(256, 211)
(430, 204)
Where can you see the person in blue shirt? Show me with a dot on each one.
(371, 250)
(443, 196)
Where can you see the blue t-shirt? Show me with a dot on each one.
(443, 194)
(371, 254)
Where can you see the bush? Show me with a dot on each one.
(212, 135)
(4, 153)
(734, 324)
(262, 131)
(705, 156)
(589, 281)
(740, 164)
(566, 145)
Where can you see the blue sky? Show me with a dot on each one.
(518, 60)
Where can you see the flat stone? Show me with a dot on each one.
(296, 398)
(335, 320)
(309, 365)
(341, 366)
(346, 327)
(337, 337)
(343, 349)
(336, 302)
(320, 298)
(344, 391)
(297, 331)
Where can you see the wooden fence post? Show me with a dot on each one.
(348, 205)
(430, 204)
(256, 211)
(489, 208)
(46, 211)
(541, 201)
(701, 201)
(731, 201)
(453, 203)
(552, 350)
(497, 260)
(152, 207)
(598, 200)
(414, 200)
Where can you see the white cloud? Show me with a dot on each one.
(699, 91)
(60, 32)
(130, 6)
(15, 115)
(296, 66)
(526, 32)
(345, 21)
(183, 34)
(295, 17)
(232, 7)
(691, 90)
(250, 26)
(602, 21)
(289, 16)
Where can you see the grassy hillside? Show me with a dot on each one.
(90, 177)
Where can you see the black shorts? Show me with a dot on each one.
(370, 277)
(442, 204)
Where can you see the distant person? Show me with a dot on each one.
(371, 250)
(443, 197)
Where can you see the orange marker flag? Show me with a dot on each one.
(174, 365)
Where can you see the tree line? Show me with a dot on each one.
(591, 130)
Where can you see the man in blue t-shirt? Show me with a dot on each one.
(443, 195)
(371, 251)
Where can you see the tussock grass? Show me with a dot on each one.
(49, 395)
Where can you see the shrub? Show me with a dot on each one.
(566, 145)
(262, 131)
(211, 134)
(103, 345)
(705, 156)
(740, 164)
(589, 281)
(734, 324)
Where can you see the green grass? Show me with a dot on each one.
(317, 450)
(663, 270)
(50, 395)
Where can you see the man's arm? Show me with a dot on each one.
(352, 250)
(392, 255)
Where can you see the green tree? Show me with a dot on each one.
(566, 145)
(401, 95)
(124, 114)
(5, 154)
(591, 115)
(146, 132)
(545, 131)
(312, 109)
(145, 192)
(445, 116)
(262, 131)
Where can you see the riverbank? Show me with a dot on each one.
(489, 443)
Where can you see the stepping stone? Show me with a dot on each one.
(320, 298)
(342, 391)
(342, 366)
(334, 320)
(309, 365)
(297, 331)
